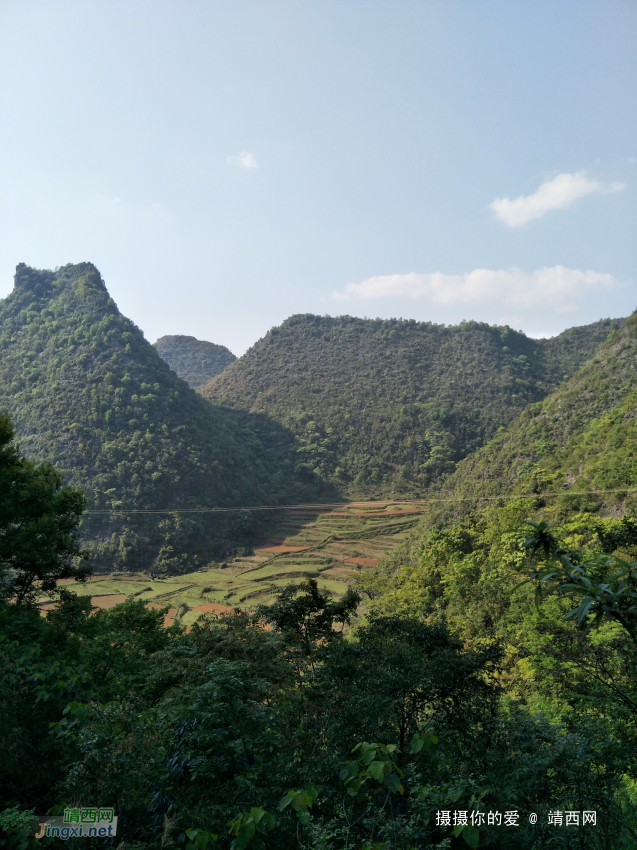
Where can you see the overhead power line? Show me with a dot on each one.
(424, 501)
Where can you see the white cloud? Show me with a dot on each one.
(243, 159)
(556, 287)
(556, 194)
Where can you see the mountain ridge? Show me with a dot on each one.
(556, 432)
(387, 408)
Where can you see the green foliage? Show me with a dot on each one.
(214, 726)
(301, 802)
(309, 619)
(89, 394)
(194, 361)
(17, 830)
(198, 838)
(248, 827)
(38, 523)
(606, 586)
(371, 762)
(569, 690)
(389, 407)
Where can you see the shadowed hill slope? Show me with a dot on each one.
(193, 360)
(88, 393)
(388, 407)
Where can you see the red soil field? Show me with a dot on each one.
(213, 608)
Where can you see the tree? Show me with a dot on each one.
(38, 524)
(309, 620)
(605, 586)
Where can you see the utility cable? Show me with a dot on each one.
(424, 502)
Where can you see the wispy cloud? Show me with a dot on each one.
(556, 194)
(243, 159)
(556, 287)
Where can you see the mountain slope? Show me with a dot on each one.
(193, 360)
(581, 437)
(387, 407)
(88, 393)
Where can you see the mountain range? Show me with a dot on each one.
(570, 460)
(319, 409)
(581, 438)
(387, 408)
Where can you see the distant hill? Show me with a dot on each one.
(389, 407)
(87, 392)
(193, 360)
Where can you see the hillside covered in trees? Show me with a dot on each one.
(389, 407)
(195, 361)
(88, 393)
(580, 438)
(570, 459)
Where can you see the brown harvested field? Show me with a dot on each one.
(109, 601)
(169, 619)
(170, 615)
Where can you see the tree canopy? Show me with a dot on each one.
(39, 519)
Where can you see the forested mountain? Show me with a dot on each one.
(87, 392)
(387, 407)
(193, 360)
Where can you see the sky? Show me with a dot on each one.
(228, 164)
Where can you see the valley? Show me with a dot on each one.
(332, 545)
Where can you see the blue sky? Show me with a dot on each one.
(228, 164)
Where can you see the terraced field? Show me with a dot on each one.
(329, 545)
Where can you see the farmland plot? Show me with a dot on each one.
(330, 545)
